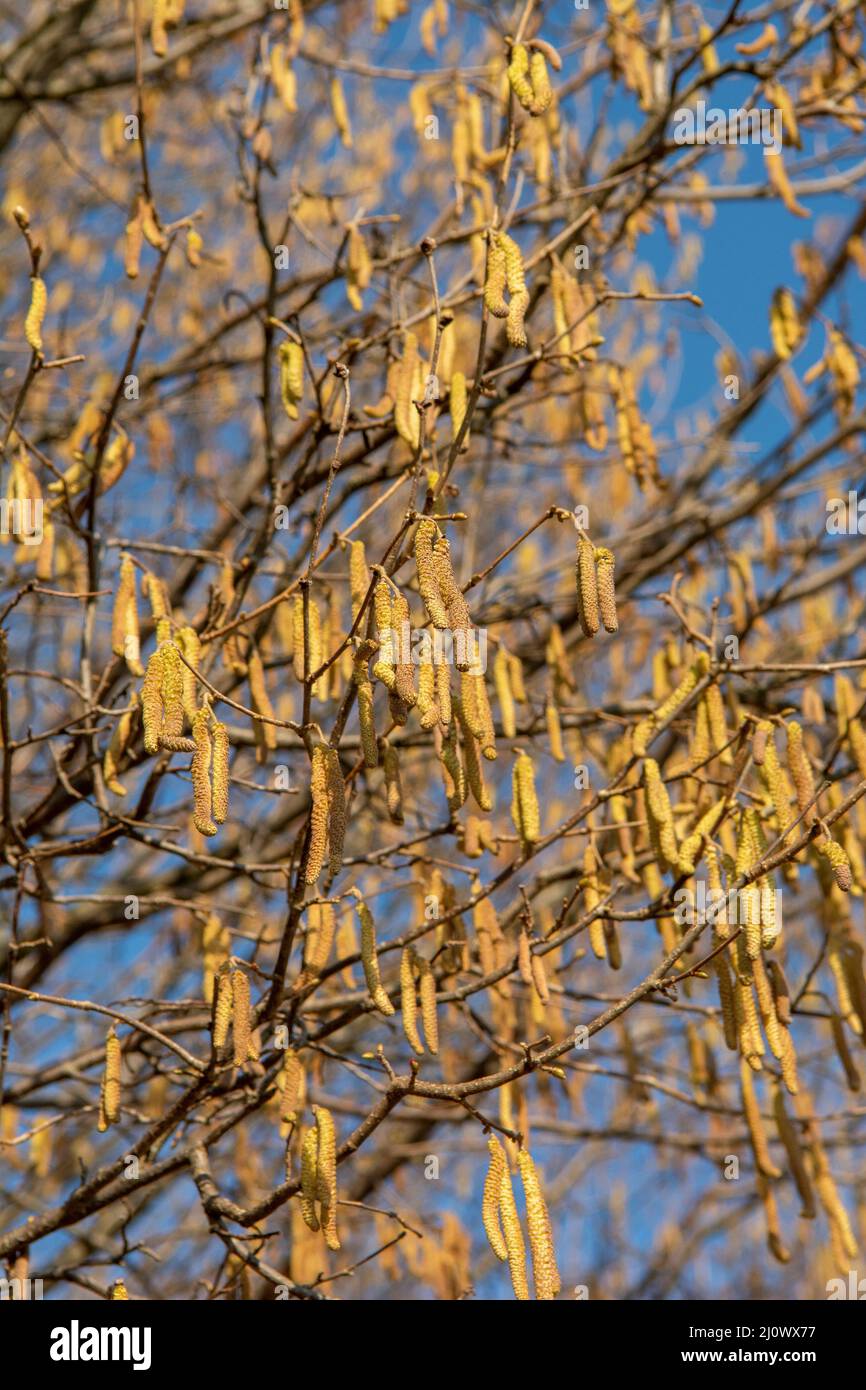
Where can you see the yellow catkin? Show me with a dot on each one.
(408, 1000)
(393, 786)
(587, 588)
(801, 773)
(309, 1177)
(518, 295)
(290, 1082)
(544, 1270)
(494, 285)
(789, 1136)
(518, 76)
(151, 702)
(755, 1124)
(554, 731)
(404, 667)
(838, 861)
(427, 992)
(456, 607)
(36, 313)
(317, 844)
(428, 582)
(604, 565)
(201, 765)
(502, 682)
(336, 794)
(125, 640)
(320, 935)
(222, 1014)
(359, 576)
(514, 1245)
(326, 1174)
(291, 357)
(490, 1201)
(366, 722)
(542, 92)
(341, 113)
(592, 896)
(457, 404)
(240, 1016)
(190, 646)
(264, 729)
(172, 691)
(524, 800)
(659, 814)
(220, 771)
(359, 268)
(370, 960)
(109, 1109)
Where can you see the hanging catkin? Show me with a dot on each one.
(291, 356)
(513, 1235)
(370, 960)
(524, 801)
(222, 1011)
(801, 773)
(409, 1001)
(326, 1174)
(318, 832)
(587, 588)
(240, 1016)
(428, 583)
(490, 1202)
(336, 812)
(502, 680)
(201, 766)
(646, 728)
(109, 1096)
(366, 723)
(494, 285)
(544, 1270)
(427, 992)
(309, 1177)
(605, 565)
(755, 1125)
(220, 773)
(36, 314)
(125, 640)
(518, 295)
(456, 608)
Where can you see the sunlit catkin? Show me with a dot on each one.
(201, 765)
(336, 798)
(801, 772)
(222, 1010)
(409, 1001)
(340, 113)
(490, 1201)
(291, 357)
(587, 588)
(524, 801)
(604, 565)
(317, 844)
(427, 992)
(326, 1174)
(220, 773)
(428, 582)
(36, 313)
(544, 1270)
(109, 1110)
(755, 1124)
(151, 702)
(124, 622)
(240, 1016)
(494, 285)
(514, 1245)
(309, 1177)
(370, 960)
